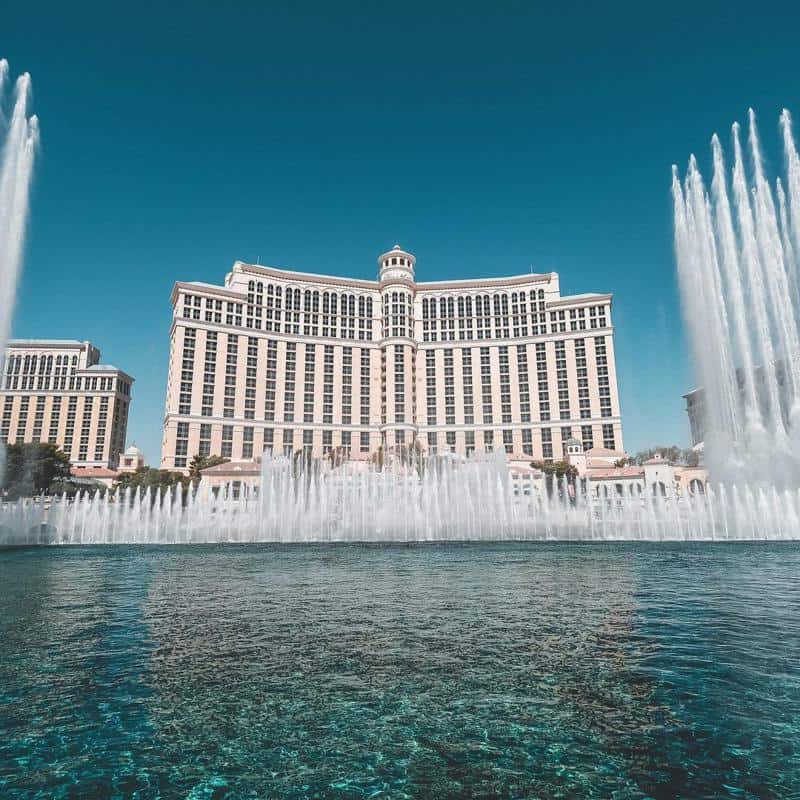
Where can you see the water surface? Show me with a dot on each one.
(429, 672)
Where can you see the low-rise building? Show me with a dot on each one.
(131, 460)
(607, 473)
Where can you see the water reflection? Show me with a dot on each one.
(453, 671)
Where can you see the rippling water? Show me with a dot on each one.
(430, 672)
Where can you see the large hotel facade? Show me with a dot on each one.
(286, 361)
(57, 391)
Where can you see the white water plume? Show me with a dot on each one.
(737, 250)
(21, 137)
(436, 500)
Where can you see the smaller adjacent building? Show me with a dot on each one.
(57, 391)
(89, 477)
(608, 474)
(131, 460)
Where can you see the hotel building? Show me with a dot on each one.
(286, 361)
(56, 391)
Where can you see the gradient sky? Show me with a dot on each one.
(178, 137)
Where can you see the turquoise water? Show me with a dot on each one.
(472, 671)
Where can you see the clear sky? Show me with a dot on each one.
(178, 137)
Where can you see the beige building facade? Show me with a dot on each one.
(57, 391)
(285, 361)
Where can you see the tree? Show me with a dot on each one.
(33, 467)
(556, 474)
(556, 469)
(337, 456)
(673, 454)
(154, 479)
(199, 463)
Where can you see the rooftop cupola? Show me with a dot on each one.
(396, 265)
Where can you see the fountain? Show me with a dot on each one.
(431, 500)
(16, 168)
(737, 249)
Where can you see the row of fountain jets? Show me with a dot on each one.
(737, 249)
(438, 500)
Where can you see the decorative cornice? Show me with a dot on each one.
(206, 288)
(305, 277)
(580, 300)
(485, 283)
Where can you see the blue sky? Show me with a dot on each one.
(178, 137)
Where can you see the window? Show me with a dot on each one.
(327, 385)
(486, 384)
(227, 441)
(181, 444)
(603, 385)
(430, 386)
(247, 442)
(308, 384)
(290, 374)
(527, 441)
(608, 437)
(449, 390)
(204, 447)
(542, 384)
(584, 408)
(467, 394)
(209, 374)
(586, 436)
(547, 444)
(505, 386)
(272, 372)
(399, 384)
(232, 355)
(347, 385)
(250, 378)
(187, 371)
(365, 382)
(561, 378)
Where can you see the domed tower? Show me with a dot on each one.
(398, 348)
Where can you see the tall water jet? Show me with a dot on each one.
(737, 249)
(19, 135)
